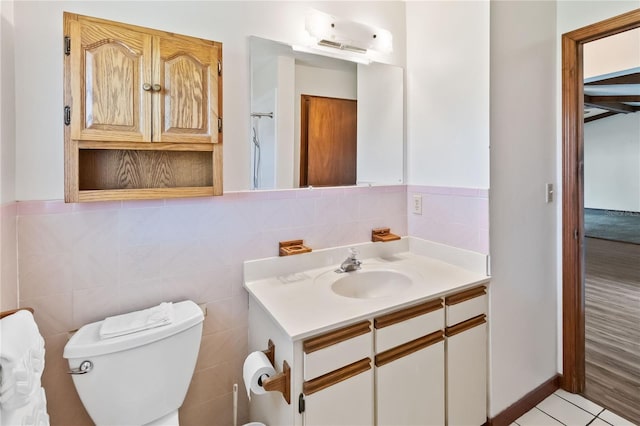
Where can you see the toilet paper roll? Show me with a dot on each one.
(255, 366)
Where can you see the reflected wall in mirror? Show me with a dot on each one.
(283, 81)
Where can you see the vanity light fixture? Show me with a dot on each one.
(345, 35)
(337, 55)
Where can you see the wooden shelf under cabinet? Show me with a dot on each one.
(111, 173)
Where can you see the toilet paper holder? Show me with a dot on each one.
(281, 382)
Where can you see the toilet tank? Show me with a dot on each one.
(139, 377)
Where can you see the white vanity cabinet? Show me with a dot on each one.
(410, 368)
(338, 385)
(466, 348)
(425, 364)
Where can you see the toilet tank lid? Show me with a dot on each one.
(87, 342)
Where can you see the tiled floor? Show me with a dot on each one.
(563, 408)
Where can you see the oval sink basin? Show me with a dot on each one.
(370, 284)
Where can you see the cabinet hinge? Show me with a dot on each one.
(219, 67)
(67, 45)
(219, 125)
(301, 404)
(67, 115)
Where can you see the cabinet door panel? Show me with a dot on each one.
(410, 390)
(348, 403)
(109, 103)
(467, 377)
(187, 104)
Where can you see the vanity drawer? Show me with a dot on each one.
(408, 324)
(465, 305)
(336, 349)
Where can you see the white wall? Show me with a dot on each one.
(615, 53)
(522, 233)
(8, 248)
(39, 29)
(7, 112)
(448, 93)
(612, 163)
(574, 14)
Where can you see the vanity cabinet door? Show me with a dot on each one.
(467, 372)
(343, 397)
(410, 383)
(409, 346)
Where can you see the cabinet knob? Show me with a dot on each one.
(156, 87)
(146, 87)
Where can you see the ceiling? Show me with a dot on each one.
(611, 94)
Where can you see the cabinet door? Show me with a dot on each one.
(186, 108)
(467, 373)
(341, 401)
(410, 389)
(110, 65)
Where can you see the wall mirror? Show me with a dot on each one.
(321, 121)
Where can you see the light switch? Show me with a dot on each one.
(548, 193)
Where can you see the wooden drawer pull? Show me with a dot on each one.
(465, 295)
(405, 314)
(409, 348)
(466, 325)
(337, 336)
(337, 376)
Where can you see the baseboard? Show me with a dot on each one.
(526, 403)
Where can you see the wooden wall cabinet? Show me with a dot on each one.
(142, 112)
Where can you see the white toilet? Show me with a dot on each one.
(139, 378)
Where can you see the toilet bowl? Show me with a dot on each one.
(139, 378)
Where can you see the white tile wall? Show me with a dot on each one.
(8, 253)
(79, 263)
(457, 217)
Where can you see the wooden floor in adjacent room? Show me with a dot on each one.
(612, 326)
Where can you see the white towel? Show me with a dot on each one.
(21, 360)
(32, 414)
(137, 321)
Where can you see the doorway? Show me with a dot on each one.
(573, 238)
(328, 141)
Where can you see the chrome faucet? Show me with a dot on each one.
(351, 263)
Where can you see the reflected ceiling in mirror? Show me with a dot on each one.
(290, 140)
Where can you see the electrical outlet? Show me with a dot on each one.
(417, 204)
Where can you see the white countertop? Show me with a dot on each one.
(303, 304)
